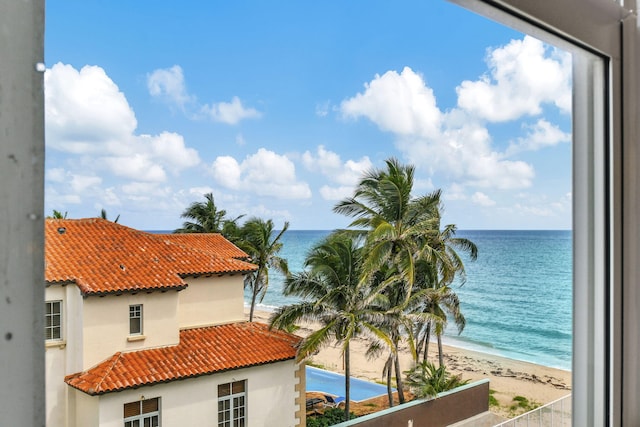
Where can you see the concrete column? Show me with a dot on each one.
(22, 395)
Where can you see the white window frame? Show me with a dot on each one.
(49, 327)
(603, 35)
(143, 416)
(236, 402)
(136, 311)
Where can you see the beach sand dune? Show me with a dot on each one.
(508, 378)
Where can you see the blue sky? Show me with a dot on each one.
(277, 108)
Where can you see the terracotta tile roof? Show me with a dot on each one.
(201, 351)
(103, 257)
(208, 242)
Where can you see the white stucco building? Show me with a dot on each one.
(148, 330)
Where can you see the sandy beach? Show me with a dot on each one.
(508, 378)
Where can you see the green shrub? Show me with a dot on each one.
(425, 380)
(330, 417)
(522, 403)
(492, 400)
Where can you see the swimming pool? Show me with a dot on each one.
(328, 382)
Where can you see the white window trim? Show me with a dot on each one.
(230, 397)
(141, 417)
(59, 327)
(140, 333)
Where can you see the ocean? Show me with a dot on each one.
(517, 299)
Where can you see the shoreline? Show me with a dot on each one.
(508, 377)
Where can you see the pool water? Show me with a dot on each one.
(322, 381)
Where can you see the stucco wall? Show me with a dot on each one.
(85, 410)
(211, 300)
(193, 402)
(63, 357)
(106, 324)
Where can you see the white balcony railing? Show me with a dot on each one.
(554, 414)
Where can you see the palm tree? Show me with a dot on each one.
(427, 381)
(439, 302)
(260, 241)
(205, 217)
(103, 215)
(334, 296)
(443, 265)
(58, 215)
(396, 227)
(395, 223)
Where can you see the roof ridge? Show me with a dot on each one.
(116, 357)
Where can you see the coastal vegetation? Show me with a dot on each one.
(427, 380)
(386, 278)
(205, 217)
(256, 236)
(334, 296)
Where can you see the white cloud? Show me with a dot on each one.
(80, 183)
(399, 103)
(336, 193)
(541, 134)
(169, 85)
(84, 109)
(456, 144)
(346, 175)
(454, 192)
(523, 75)
(89, 119)
(170, 149)
(463, 153)
(55, 175)
(110, 197)
(264, 173)
(137, 167)
(330, 165)
(230, 112)
(482, 199)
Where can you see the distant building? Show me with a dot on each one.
(148, 330)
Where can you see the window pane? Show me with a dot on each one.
(52, 319)
(135, 319)
(224, 389)
(149, 405)
(238, 387)
(131, 409)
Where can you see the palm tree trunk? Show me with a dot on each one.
(399, 383)
(427, 341)
(347, 382)
(440, 355)
(389, 371)
(254, 296)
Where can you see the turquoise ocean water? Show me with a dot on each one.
(517, 298)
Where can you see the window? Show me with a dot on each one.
(53, 320)
(144, 413)
(231, 404)
(135, 319)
